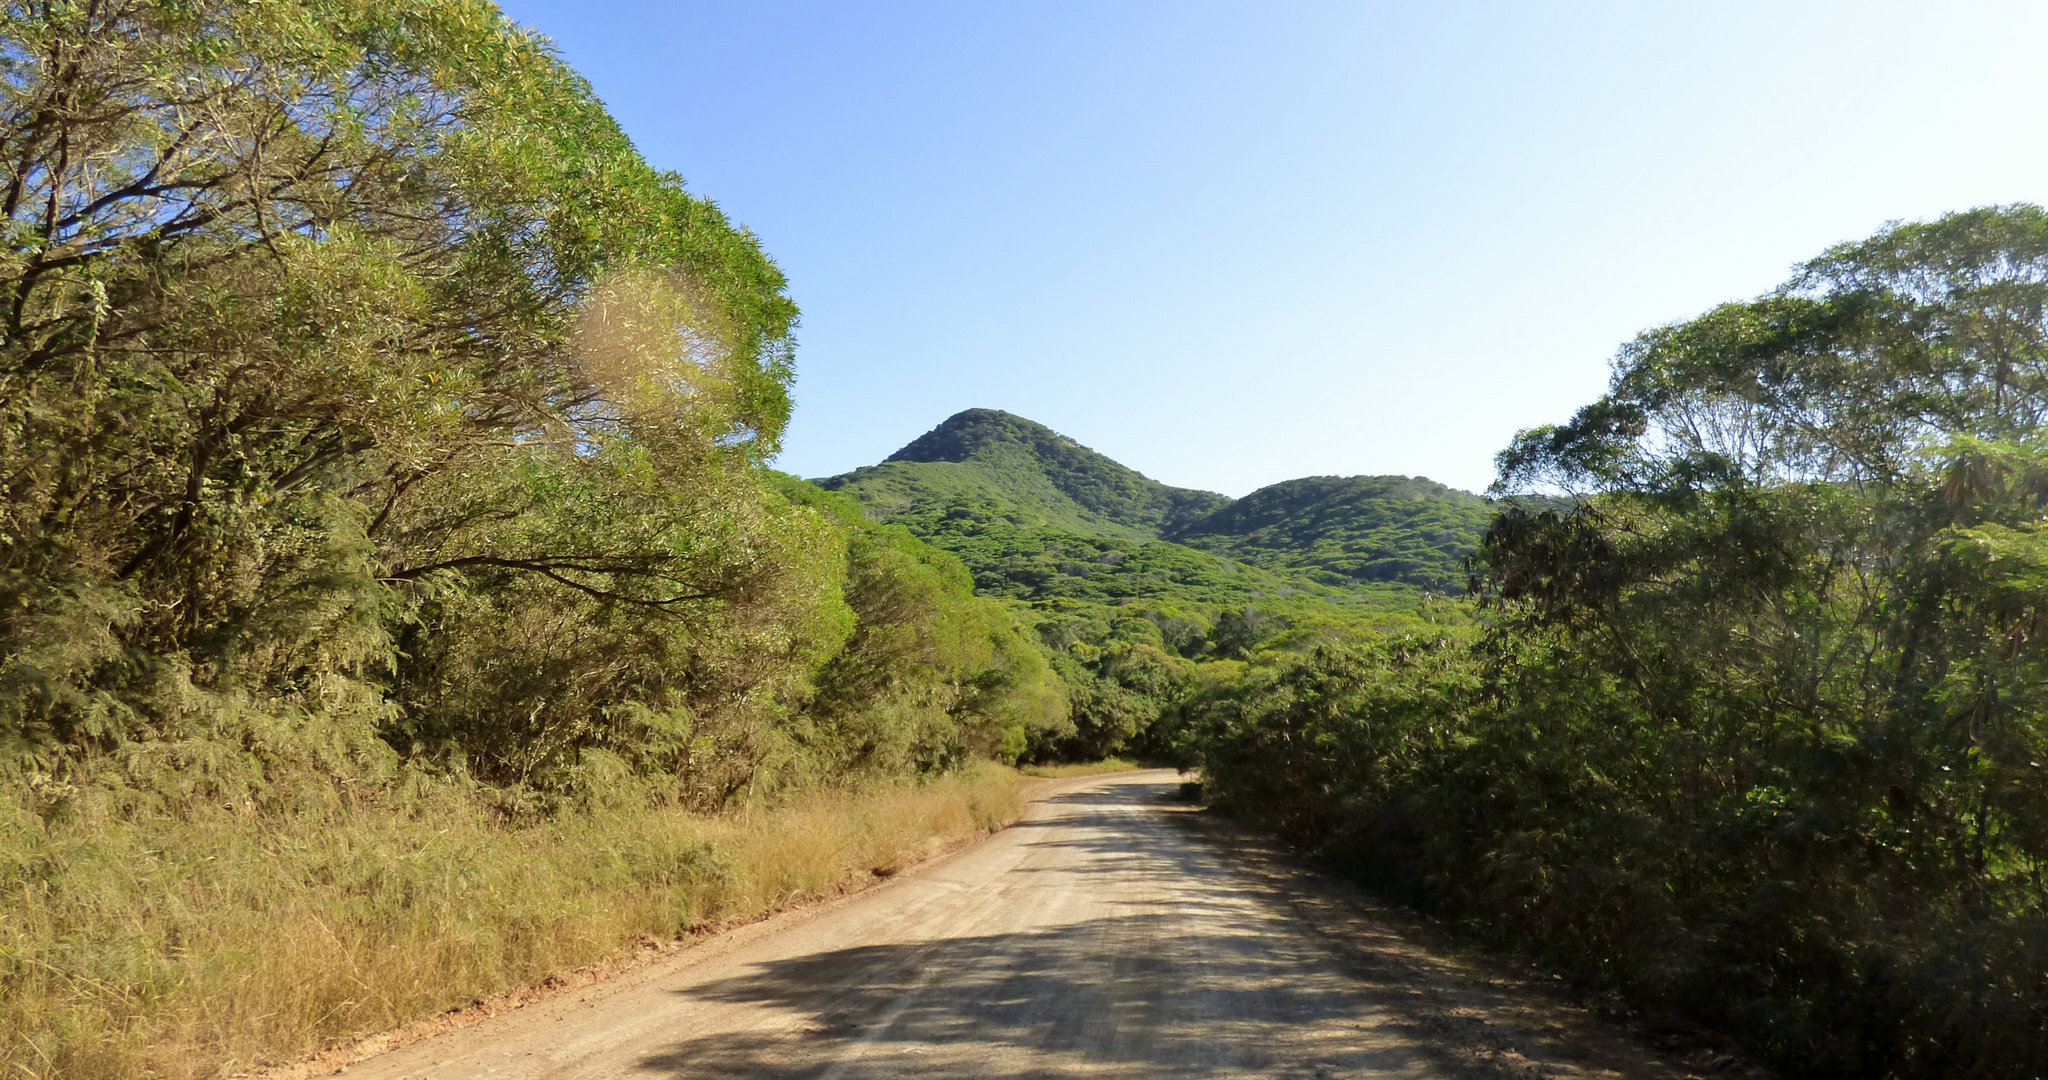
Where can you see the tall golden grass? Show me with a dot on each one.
(1080, 768)
(214, 940)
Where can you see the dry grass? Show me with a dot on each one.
(206, 943)
(1082, 768)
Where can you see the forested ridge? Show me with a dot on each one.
(1141, 593)
(393, 571)
(1348, 531)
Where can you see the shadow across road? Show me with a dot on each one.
(1181, 967)
(1137, 995)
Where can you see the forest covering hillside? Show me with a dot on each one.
(1037, 516)
(1088, 552)
(1031, 468)
(1348, 531)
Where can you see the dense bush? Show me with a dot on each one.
(1754, 727)
(389, 560)
(366, 402)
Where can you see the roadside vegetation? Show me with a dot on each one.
(221, 938)
(1751, 727)
(394, 599)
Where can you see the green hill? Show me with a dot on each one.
(1030, 472)
(1129, 583)
(1026, 560)
(1349, 530)
(1036, 516)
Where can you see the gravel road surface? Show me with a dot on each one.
(1106, 934)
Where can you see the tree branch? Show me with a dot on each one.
(550, 569)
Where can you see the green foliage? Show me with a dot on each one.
(366, 401)
(1025, 562)
(933, 672)
(1121, 674)
(1028, 470)
(1036, 516)
(1128, 616)
(1755, 726)
(1127, 623)
(1346, 531)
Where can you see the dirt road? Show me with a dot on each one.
(1100, 936)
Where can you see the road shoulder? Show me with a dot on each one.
(649, 958)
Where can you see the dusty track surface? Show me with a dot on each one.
(1106, 934)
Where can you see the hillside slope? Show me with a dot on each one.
(1037, 516)
(1020, 560)
(1027, 471)
(1349, 530)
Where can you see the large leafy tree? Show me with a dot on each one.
(1754, 724)
(1784, 655)
(313, 313)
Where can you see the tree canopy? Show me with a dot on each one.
(1752, 726)
(366, 398)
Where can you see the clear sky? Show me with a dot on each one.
(1235, 243)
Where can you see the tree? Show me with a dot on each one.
(321, 320)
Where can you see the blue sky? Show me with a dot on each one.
(1230, 244)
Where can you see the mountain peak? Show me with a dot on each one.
(969, 432)
(1026, 464)
(1007, 494)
